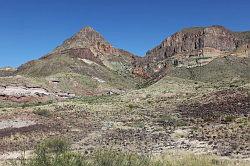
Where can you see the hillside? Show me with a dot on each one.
(189, 96)
(223, 69)
(85, 64)
(87, 46)
(7, 71)
(192, 47)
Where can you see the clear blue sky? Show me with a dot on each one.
(32, 28)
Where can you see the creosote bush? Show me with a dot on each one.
(114, 158)
(56, 152)
(42, 112)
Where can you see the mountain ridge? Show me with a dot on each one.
(204, 43)
(87, 55)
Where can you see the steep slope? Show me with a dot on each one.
(193, 47)
(86, 45)
(86, 56)
(228, 69)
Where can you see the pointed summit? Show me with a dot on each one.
(86, 37)
(90, 35)
(87, 29)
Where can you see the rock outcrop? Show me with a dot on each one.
(87, 37)
(27, 94)
(192, 47)
(91, 45)
(7, 71)
(192, 41)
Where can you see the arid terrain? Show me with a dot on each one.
(190, 94)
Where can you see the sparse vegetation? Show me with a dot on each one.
(96, 99)
(55, 152)
(229, 118)
(42, 112)
(201, 58)
(132, 107)
(172, 120)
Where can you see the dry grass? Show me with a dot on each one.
(55, 152)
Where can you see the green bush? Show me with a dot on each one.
(229, 118)
(52, 146)
(54, 152)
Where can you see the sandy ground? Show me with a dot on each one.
(15, 123)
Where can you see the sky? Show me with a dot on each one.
(30, 29)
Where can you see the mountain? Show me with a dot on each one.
(193, 47)
(190, 94)
(85, 64)
(86, 46)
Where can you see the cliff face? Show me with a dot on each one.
(192, 47)
(194, 39)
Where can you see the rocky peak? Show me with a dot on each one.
(88, 34)
(191, 41)
(85, 38)
(86, 45)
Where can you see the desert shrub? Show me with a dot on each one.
(61, 159)
(113, 158)
(55, 152)
(42, 112)
(25, 105)
(202, 58)
(96, 99)
(229, 118)
(198, 160)
(148, 96)
(140, 125)
(175, 62)
(35, 104)
(52, 146)
(243, 120)
(150, 101)
(171, 120)
(133, 106)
